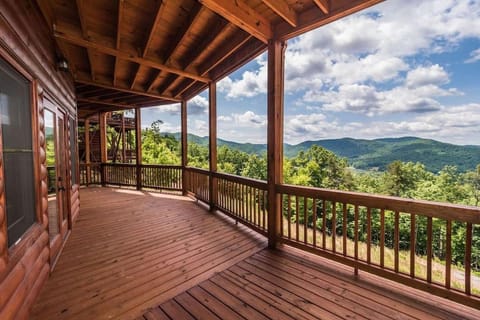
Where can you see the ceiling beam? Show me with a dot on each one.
(135, 77)
(153, 27)
(324, 5)
(178, 93)
(243, 16)
(153, 80)
(282, 8)
(105, 85)
(64, 35)
(106, 103)
(83, 26)
(310, 19)
(217, 31)
(219, 56)
(117, 42)
(195, 13)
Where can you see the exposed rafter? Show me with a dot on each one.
(283, 10)
(153, 27)
(135, 76)
(324, 5)
(195, 13)
(117, 42)
(105, 102)
(310, 19)
(105, 85)
(220, 56)
(63, 35)
(216, 32)
(152, 82)
(178, 94)
(243, 16)
(83, 25)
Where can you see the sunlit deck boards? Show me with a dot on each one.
(284, 284)
(130, 250)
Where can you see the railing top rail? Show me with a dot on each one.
(441, 210)
(259, 184)
(199, 170)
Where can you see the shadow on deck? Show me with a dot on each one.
(131, 251)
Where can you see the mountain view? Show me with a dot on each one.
(374, 154)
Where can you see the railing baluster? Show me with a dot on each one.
(324, 223)
(397, 240)
(382, 238)
(412, 244)
(448, 254)
(344, 229)
(289, 216)
(429, 248)
(314, 221)
(305, 219)
(468, 258)
(297, 215)
(334, 226)
(369, 234)
(356, 238)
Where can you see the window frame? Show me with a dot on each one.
(36, 94)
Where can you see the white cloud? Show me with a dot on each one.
(173, 109)
(249, 118)
(422, 76)
(251, 83)
(458, 124)
(198, 127)
(474, 56)
(197, 105)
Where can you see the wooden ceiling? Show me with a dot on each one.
(139, 53)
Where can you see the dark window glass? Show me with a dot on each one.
(16, 121)
(73, 150)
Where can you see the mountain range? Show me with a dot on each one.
(374, 154)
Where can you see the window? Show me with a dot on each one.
(16, 124)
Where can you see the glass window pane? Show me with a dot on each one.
(15, 117)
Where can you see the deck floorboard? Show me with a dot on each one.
(140, 255)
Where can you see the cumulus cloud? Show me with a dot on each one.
(422, 76)
(457, 124)
(474, 56)
(249, 118)
(249, 85)
(197, 105)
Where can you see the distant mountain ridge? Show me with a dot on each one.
(375, 154)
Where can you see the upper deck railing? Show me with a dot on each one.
(428, 245)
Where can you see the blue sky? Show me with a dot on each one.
(400, 68)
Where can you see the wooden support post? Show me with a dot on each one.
(276, 54)
(184, 145)
(102, 121)
(138, 147)
(124, 146)
(212, 116)
(87, 151)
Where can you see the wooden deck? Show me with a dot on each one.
(130, 250)
(134, 253)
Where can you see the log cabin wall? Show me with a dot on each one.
(27, 46)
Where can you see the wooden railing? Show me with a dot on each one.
(161, 177)
(408, 241)
(198, 183)
(243, 199)
(121, 174)
(90, 173)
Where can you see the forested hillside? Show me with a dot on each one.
(374, 154)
